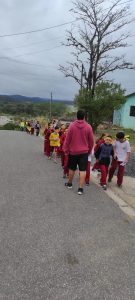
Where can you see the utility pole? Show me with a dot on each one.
(51, 107)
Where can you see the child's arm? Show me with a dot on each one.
(128, 153)
(114, 150)
(127, 158)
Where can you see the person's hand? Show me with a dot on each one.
(115, 156)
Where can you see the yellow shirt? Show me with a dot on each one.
(54, 139)
(22, 124)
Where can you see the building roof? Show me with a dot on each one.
(132, 94)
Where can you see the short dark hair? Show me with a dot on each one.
(56, 127)
(80, 115)
(120, 135)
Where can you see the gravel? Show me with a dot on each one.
(130, 168)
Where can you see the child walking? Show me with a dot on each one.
(55, 142)
(99, 142)
(64, 156)
(105, 152)
(47, 148)
(122, 151)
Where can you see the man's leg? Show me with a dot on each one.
(82, 179)
(71, 176)
(72, 164)
(82, 163)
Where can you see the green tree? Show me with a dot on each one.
(100, 106)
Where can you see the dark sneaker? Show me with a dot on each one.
(109, 179)
(119, 185)
(69, 185)
(104, 187)
(80, 191)
(64, 176)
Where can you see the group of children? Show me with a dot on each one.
(109, 155)
(54, 138)
(30, 127)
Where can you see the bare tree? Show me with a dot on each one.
(101, 30)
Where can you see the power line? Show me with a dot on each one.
(29, 53)
(31, 76)
(20, 62)
(37, 30)
(35, 52)
(35, 43)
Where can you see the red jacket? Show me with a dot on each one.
(79, 138)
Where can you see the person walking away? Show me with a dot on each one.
(32, 128)
(122, 152)
(22, 125)
(47, 133)
(64, 157)
(62, 140)
(37, 127)
(99, 142)
(105, 152)
(61, 136)
(78, 145)
(55, 142)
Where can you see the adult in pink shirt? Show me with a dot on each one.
(78, 145)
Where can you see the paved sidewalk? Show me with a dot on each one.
(124, 196)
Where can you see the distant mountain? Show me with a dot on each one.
(17, 98)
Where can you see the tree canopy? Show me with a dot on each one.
(100, 107)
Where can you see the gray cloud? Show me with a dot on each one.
(29, 63)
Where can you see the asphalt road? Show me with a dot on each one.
(54, 244)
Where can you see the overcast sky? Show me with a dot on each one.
(29, 63)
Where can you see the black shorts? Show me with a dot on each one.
(80, 159)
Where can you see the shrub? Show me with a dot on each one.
(10, 126)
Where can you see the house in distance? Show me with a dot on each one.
(125, 116)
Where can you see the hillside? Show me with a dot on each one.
(17, 105)
(21, 98)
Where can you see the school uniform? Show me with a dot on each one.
(47, 143)
(121, 152)
(105, 152)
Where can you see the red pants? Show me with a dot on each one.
(104, 173)
(96, 166)
(87, 178)
(44, 146)
(47, 148)
(66, 171)
(62, 158)
(120, 172)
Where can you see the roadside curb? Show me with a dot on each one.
(127, 209)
